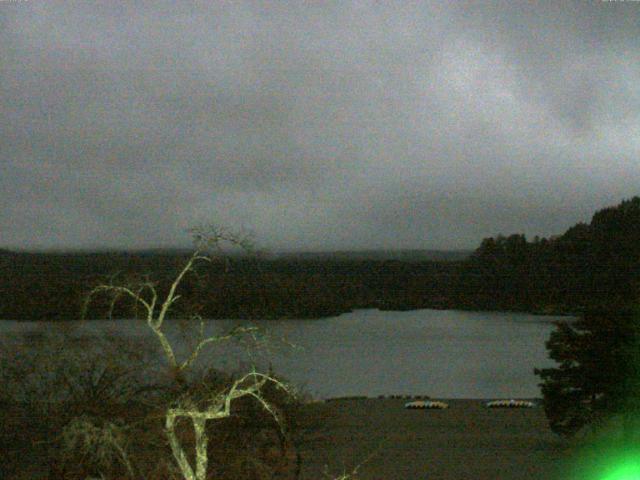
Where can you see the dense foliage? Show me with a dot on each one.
(598, 373)
(591, 265)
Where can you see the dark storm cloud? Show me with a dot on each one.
(333, 125)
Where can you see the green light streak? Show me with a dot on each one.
(608, 454)
(626, 470)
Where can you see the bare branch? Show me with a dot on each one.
(214, 339)
(171, 295)
(118, 291)
(212, 238)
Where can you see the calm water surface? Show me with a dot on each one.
(444, 354)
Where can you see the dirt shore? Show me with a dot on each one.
(465, 441)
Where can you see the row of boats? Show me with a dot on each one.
(422, 404)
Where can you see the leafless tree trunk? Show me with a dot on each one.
(218, 406)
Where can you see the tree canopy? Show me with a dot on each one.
(598, 373)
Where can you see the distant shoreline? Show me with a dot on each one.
(52, 287)
(540, 313)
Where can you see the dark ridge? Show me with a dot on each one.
(407, 255)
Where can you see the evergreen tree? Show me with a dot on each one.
(598, 375)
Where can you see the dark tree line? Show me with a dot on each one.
(590, 265)
(52, 286)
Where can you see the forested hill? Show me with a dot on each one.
(590, 265)
(595, 264)
(404, 255)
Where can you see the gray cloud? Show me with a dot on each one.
(341, 125)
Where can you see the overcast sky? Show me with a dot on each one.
(328, 125)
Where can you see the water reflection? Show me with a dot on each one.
(444, 354)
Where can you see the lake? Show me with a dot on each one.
(440, 353)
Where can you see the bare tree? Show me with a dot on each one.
(210, 241)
